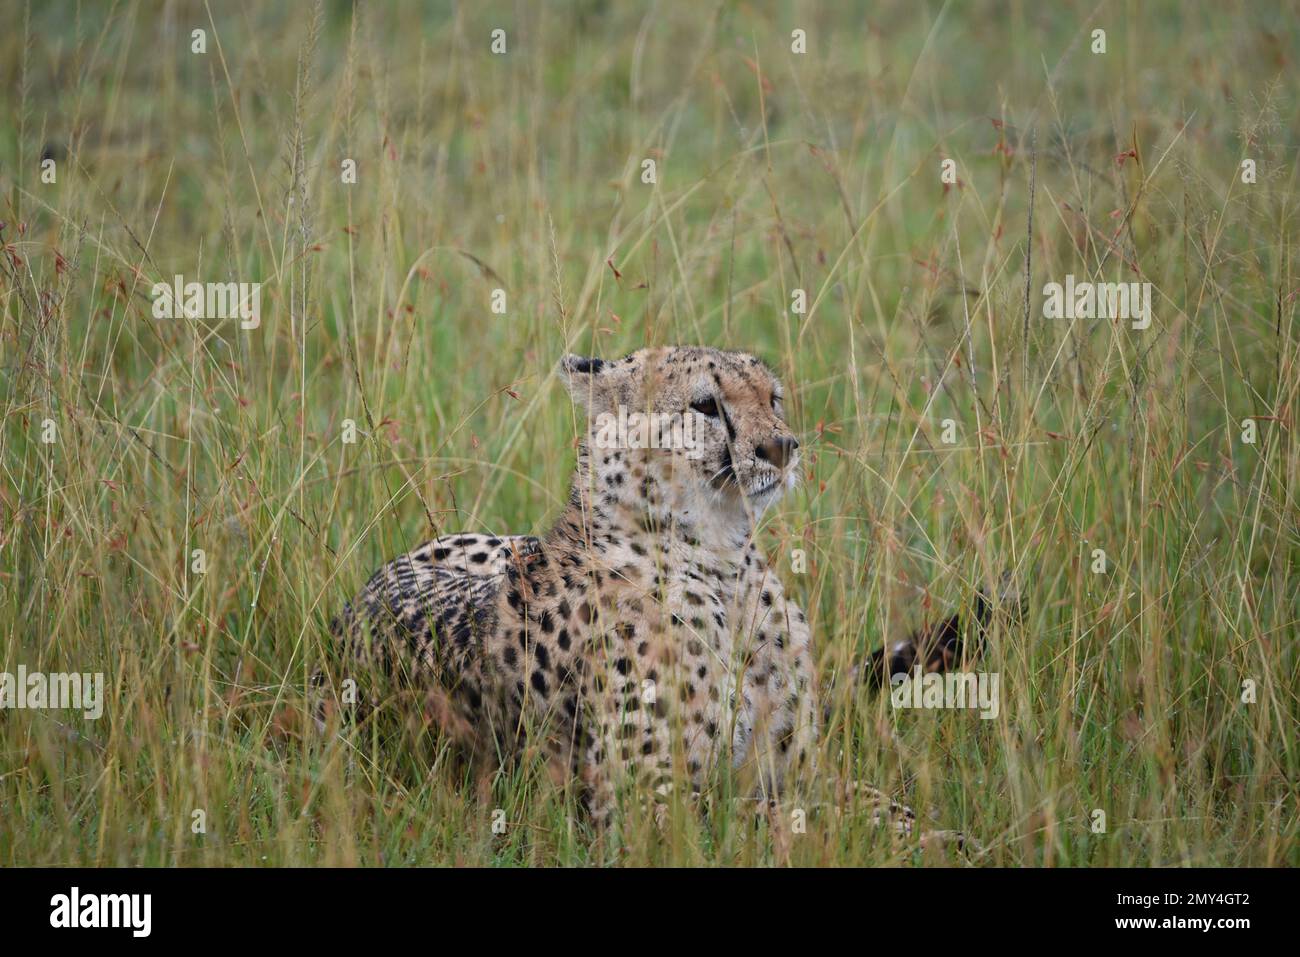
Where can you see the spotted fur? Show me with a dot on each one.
(645, 634)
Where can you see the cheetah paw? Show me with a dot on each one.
(901, 819)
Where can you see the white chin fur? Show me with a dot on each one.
(773, 488)
(768, 496)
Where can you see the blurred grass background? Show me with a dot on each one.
(776, 171)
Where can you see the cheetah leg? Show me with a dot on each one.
(602, 782)
(782, 744)
(629, 753)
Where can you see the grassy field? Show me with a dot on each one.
(1161, 691)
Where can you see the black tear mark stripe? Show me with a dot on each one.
(722, 409)
(726, 473)
(726, 420)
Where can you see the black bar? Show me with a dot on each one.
(336, 907)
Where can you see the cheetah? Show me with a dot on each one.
(644, 638)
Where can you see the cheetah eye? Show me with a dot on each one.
(706, 407)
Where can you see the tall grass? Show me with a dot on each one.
(1122, 691)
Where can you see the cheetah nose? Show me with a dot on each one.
(778, 451)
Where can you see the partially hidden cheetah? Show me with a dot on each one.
(644, 637)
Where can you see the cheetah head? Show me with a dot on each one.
(710, 430)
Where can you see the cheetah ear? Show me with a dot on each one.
(583, 377)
